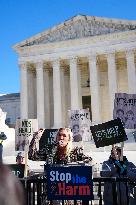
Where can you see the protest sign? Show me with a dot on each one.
(79, 122)
(18, 169)
(125, 109)
(69, 183)
(23, 133)
(47, 137)
(108, 133)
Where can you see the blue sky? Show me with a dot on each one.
(21, 19)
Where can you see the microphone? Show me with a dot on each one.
(55, 143)
(61, 142)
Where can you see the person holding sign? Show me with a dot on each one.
(62, 151)
(115, 167)
(65, 153)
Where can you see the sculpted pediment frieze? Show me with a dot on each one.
(81, 27)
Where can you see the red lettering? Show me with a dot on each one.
(84, 190)
(75, 190)
(69, 190)
(61, 187)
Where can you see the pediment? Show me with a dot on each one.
(80, 26)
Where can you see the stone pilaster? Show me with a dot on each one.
(23, 91)
(74, 84)
(112, 80)
(40, 94)
(57, 94)
(131, 72)
(94, 89)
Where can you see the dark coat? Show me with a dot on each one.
(108, 170)
(1, 151)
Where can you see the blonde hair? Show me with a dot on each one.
(70, 134)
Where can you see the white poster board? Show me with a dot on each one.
(125, 109)
(24, 132)
(79, 122)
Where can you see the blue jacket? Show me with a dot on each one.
(109, 170)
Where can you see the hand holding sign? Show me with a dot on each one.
(121, 167)
(117, 158)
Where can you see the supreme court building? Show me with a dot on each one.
(80, 63)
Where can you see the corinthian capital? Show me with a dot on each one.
(92, 57)
(129, 53)
(110, 53)
(55, 62)
(39, 64)
(73, 59)
(22, 65)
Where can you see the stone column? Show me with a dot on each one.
(31, 97)
(112, 80)
(57, 94)
(63, 98)
(23, 91)
(40, 94)
(74, 85)
(131, 72)
(79, 87)
(67, 95)
(47, 98)
(94, 88)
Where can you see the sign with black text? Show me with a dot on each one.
(24, 132)
(69, 183)
(108, 133)
(47, 137)
(18, 169)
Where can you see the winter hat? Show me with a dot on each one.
(2, 136)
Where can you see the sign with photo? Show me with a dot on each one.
(125, 109)
(79, 122)
(69, 183)
(18, 169)
(24, 132)
(108, 133)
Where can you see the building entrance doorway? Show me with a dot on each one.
(86, 102)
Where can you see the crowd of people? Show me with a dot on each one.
(63, 153)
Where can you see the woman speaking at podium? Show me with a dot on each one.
(62, 152)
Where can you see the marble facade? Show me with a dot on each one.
(56, 65)
(10, 104)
